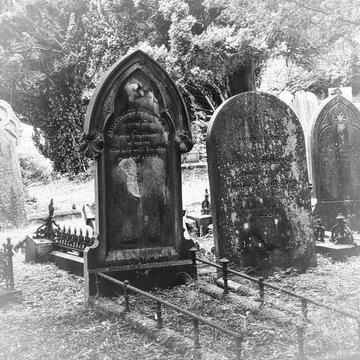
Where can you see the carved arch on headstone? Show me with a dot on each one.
(172, 105)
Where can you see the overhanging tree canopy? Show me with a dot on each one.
(52, 52)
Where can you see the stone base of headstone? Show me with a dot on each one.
(202, 222)
(38, 250)
(9, 296)
(144, 276)
(336, 251)
(69, 262)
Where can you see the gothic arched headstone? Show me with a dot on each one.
(335, 147)
(136, 127)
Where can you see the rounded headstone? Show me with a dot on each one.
(259, 184)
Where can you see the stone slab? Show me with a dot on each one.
(69, 262)
(337, 252)
(259, 184)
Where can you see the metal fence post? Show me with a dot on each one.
(196, 333)
(261, 289)
(193, 251)
(224, 263)
(304, 310)
(97, 284)
(158, 315)
(300, 335)
(238, 341)
(126, 295)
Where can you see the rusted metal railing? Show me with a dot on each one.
(262, 285)
(238, 338)
(71, 240)
(65, 239)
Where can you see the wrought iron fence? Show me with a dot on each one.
(238, 338)
(66, 239)
(263, 284)
(71, 240)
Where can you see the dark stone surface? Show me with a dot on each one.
(137, 127)
(259, 184)
(335, 140)
(12, 197)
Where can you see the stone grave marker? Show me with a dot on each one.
(136, 127)
(12, 197)
(335, 145)
(259, 184)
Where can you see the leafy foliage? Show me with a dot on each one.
(53, 53)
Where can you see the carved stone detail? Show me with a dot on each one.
(92, 144)
(183, 141)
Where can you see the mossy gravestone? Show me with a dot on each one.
(259, 184)
(12, 198)
(137, 127)
(335, 145)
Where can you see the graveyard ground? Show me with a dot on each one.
(51, 322)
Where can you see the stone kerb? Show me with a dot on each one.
(259, 184)
(335, 151)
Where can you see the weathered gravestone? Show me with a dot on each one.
(335, 145)
(137, 127)
(12, 197)
(259, 184)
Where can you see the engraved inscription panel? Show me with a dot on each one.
(138, 146)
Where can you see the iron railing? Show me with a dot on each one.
(65, 239)
(71, 240)
(238, 338)
(263, 284)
